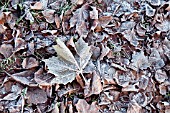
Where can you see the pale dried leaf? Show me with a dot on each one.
(37, 6)
(64, 52)
(67, 65)
(56, 109)
(93, 87)
(162, 89)
(160, 76)
(134, 108)
(104, 52)
(2, 28)
(6, 50)
(63, 70)
(10, 96)
(94, 13)
(139, 61)
(96, 84)
(149, 10)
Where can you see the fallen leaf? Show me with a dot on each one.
(160, 76)
(95, 87)
(19, 44)
(149, 10)
(24, 77)
(2, 28)
(79, 2)
(104, 52)
(163, 26)
(43, 79)
(134, 108)
(105, 20)
(29, 63)
(36, 96)
(83, 107)
(79, 19)
(6, 50)
(37, 6)
(57, 21)
(139, 61)
(49, 15)
(94, 13)
(56, 109)
(10, 96)
(162, 89)
(67, 65)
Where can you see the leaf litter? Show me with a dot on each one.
(79, 56)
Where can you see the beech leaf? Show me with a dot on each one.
(66, 66)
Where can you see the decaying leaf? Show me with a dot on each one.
(149, 10)
(79, 19)
(93, 87)
(24, 77)
(29, 63)
(37, 6)
(160, 76)
(36, 95)
(134, 108)
(83, 107)
(66, 66)
(43, 79)
(6, 50)
(49, 15)
(139, 61)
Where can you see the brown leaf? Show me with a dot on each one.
(29, 63)
(94, 87)
(42, 78)
(49, 15)
(105, 20)
(83, 107)
(36, 96)
(57, 21)
(24, 77)
(80, 20)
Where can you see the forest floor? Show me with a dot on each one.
(84, 56)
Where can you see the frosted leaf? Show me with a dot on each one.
(65, 67)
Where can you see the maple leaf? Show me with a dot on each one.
(65, 66)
